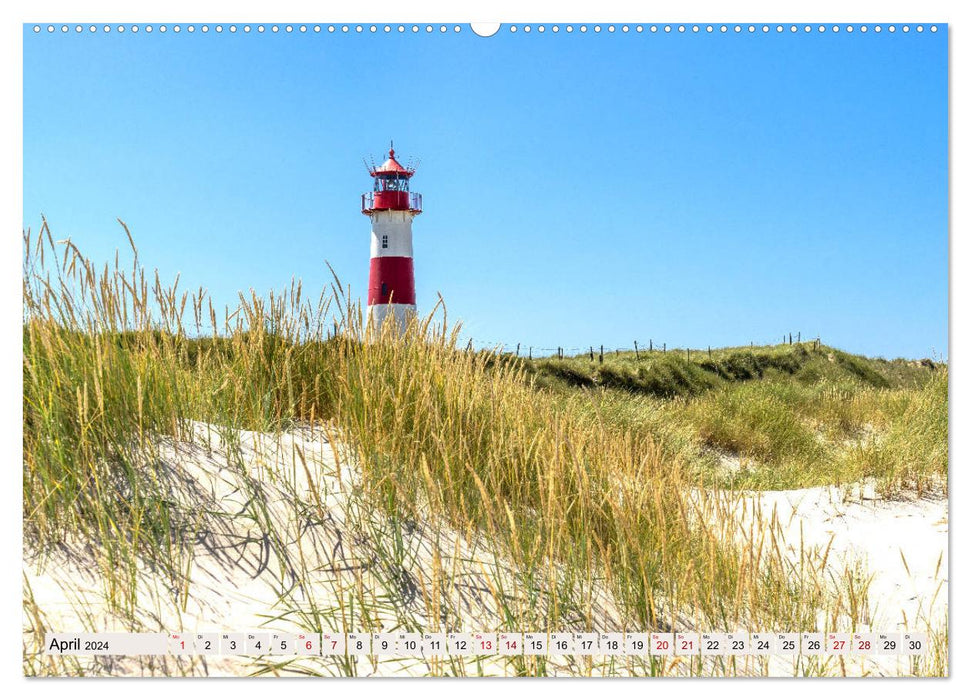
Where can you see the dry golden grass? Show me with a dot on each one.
(574, 502)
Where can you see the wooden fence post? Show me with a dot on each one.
(591, 353)
(530, 352)
(636, 354)
(650, 345)
(517, 349)
(709, 352)
(601, 354)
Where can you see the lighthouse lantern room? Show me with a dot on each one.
(391, 206)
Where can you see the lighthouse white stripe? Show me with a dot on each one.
(396, 225)
(398, 313)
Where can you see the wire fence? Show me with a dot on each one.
(600, 351)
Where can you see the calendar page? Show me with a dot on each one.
(437, 349)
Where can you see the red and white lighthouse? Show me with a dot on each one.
(391, 206)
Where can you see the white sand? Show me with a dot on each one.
(899, 546)
(339, 552)
(903, 545)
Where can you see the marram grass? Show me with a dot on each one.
(580, 491)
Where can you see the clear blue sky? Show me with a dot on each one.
(579, 189)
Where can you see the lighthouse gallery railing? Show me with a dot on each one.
(371, 201)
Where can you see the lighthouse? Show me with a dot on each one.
(391, 206)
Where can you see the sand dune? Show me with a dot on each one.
(282, 542)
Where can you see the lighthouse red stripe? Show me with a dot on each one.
(392, 280)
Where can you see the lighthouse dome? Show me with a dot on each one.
(392, 167)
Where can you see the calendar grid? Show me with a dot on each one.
(478, 644)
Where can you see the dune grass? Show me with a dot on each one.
(775, 417)
(579, 490)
